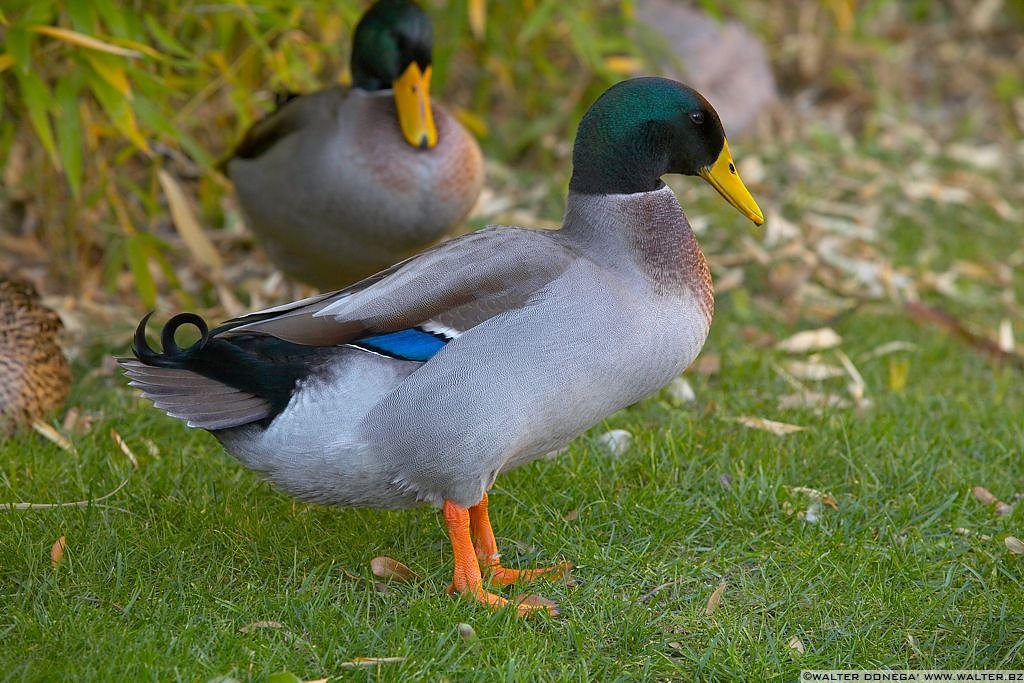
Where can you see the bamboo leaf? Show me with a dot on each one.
(19, 47)
(167, 41)
(188, 227)
(114, 258)
(155, 252)
(6, 62)
(69, 132)
(83, 40)
(146, 50)
(478, 18)
(39, 102)
(112, 72)
(144, 284)
(119, 111)
(37, 12)
(83, 16)
(113, 15)
(537, 21)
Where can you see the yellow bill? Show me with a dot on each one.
(723, 177)
(412, 99)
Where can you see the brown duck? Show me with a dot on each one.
(34, 374)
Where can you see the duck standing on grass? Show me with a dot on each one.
(34, 374)
(342, 183)
(427, 380)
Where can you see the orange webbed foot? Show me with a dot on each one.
(503, 576)
(467, 579)
(487, 553)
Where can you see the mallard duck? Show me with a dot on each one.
(344, 182)
(427, 380)
(34, 374)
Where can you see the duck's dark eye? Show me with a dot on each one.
(697, 117)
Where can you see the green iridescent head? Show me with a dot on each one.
(643, 128)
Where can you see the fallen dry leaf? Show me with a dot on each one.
(534, 600)
(124, 448)
(983, 495)
(70, 419)
(77, 422)
(812, 399)
(1014, 545)
(889, 348)
(57, 551)
(53, 435)
(826, 498)
(391, 569)
(371, 661)
(151, 448)
(256, 625)
(184, 219)
(929, 314)
(769, 425)
(755, 336)
(466, 632)
(810, 340)
(657, 589)
(853, 372)
(572, 515)
(347, 574)
(707, 364)
(714, 600)
(813, 372)
(899, 369)
(796, 644)
(1005, 338)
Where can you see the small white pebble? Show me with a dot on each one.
(680, 391)
(616, 441)
(811, 515)
(1014, 545)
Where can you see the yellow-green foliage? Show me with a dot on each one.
(100, 95)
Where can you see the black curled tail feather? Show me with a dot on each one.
(257, 365)
(172, 356)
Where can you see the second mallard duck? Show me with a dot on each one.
(344, 182)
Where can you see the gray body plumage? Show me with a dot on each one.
(334, 193)
(552, 332)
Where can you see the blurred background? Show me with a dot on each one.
(882, 139)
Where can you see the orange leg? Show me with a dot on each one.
(490, 558)
(467, 579)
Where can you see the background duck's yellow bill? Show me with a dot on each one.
(412, 99)
(724, 177)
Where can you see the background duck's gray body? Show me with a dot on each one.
(557, 330)
(340, 194)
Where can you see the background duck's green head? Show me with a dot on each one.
(643, 128)
(392, 49)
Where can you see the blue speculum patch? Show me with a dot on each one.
(413, 344)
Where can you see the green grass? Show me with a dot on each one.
(194, 548)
